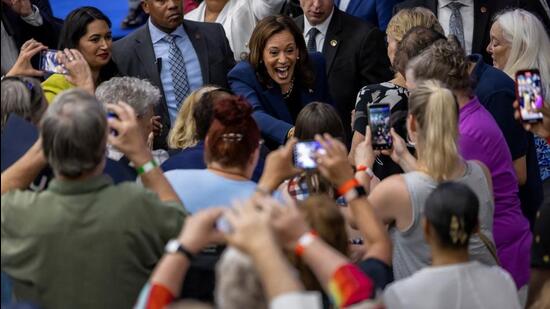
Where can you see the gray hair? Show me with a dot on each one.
(24, 97)
(140, 94)
(74, 132)
(237, 282)
(529, 44)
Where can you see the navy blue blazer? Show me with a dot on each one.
(377, 12)
(270, 111)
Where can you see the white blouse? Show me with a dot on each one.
(238, 18)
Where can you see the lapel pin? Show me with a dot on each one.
(483, 9)
(333, 43)
(197, 36)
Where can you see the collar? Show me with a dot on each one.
(472, 106)
(322, 27)
(157, 34)
(75, 187)
(480, 65)
(444, 3)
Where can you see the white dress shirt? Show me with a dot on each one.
(322, 27)
(467, 12)
(239, 18)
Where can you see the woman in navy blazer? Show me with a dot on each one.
(279, 78)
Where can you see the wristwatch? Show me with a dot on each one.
(174, 246)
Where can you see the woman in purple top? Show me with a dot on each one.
(481, 139)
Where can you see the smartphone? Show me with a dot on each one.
(529, 95)
(50, 64)
(110, 115)
(379, 121)
(304, 154)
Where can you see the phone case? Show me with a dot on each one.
(526, 92)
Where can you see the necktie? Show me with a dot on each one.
(178, 71)
(455, 22)
(311, 43)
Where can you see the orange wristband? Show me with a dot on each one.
(348, 185)
(304, 241)
(366, 169)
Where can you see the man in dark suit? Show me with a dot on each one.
(354, 51)
(476, 18)
(175, 55)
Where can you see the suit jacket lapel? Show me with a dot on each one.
(199, 44)
(332, 39)
(146, 54)
(481, 18)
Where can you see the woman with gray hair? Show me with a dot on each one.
(24, 97)
(142, 96)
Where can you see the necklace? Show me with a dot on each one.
(287, 94)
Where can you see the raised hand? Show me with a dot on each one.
(334, 164)
(79, 72)
(23, 64)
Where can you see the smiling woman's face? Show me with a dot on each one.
(96, 44)
(280, 55)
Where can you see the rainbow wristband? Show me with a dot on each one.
(147, 167)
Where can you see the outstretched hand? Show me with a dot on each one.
(199, 230)
(364, 153)
(128, 138)
(249, 220)
(23, 64)
(334, 164)
(399, 149)
(279, 166)
(79, 72)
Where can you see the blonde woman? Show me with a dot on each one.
(399, 200)
(183, 134)
(394, 91)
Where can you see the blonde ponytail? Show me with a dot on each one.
(436, 113)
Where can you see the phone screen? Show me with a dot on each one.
(304, 154)
(529, 93)
(49, 63)
(379, 121)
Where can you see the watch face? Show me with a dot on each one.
(172, 246)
